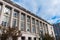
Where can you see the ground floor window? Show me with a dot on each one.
(29, 38)
(34, 38)
(22, 38)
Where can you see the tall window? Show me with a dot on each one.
(5, 21)
(28, 23)
(37, 25)
(33, 26)
(22, 21)
(15, 18)
(41, 25)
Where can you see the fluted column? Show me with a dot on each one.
(11, 17)
(19, 23)
(25, 22)
(2, 13)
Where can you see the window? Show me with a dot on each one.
(15, 14)
(7, 11)
(23, 17)
(34, 38)
(28, 23)
(5, 21)
(14, 22)
(33, 21)
(33, 29)
(23, 22)
(29, 38)
(22, 38)
(28, 27)
(6, 16)
(28, 19)
(37, 25)
(22, 26)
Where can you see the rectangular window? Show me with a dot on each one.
(28, 27)
(28, 23)
(14, 22)
(28, 19)
(7, 11)
(29, 38)
(23, 17)
(33, 29)
(22, 26)
(22, 38)
(33, 21)
(34, 38)
(23, 22)
(15, 14)
(5, 21)
(37, 25)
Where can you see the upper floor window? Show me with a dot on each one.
(23, 17)
(28, 27)
(16, 14)
(28, 18)
(33, 21)
(22, 26)
(5, 21)
(41, 24)
(37, 23)
(14, 22)
(7, 11)
(33, 29)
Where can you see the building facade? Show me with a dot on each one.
(57, 30)
(31, 26)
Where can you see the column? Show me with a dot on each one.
(31, 25)
(11, 17)
(2, 13)
(19, 23)
(26, 23)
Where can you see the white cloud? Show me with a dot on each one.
(46, 9)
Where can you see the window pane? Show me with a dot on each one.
(33, 29)
(23, 17)
(28, 19)
(7, 11)
(28, 27)
(33, 21)
(5, 21)
(22, 26)
(14, 22)
(15, 14)
(37, 23)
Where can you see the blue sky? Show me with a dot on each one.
(46, 9)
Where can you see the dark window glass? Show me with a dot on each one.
(28, 19)
(33, 29)
(34, 38)
(29, 38)
(14, 22)
(22, 38)
(33, 21)
(28, 27)
(22, 26)
(7, 10)
(23, 17)
(4, 23)
(15, 14)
